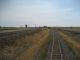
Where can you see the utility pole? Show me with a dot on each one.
(26, 26)
(0, 26)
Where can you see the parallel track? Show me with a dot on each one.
(57, 51)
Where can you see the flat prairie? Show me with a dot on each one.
(23, 47)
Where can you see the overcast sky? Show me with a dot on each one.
(40, 13)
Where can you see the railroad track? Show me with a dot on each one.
(58, 51)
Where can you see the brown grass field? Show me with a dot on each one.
(36, 42)
(24, 47)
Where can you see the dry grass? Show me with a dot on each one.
(75, 46)
(15, 46)
(8, 30)
(36, 41)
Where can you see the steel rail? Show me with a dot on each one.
(52, 48)
(60, 50)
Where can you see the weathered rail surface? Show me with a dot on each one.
(58, 50)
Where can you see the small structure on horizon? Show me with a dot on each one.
(26, 26)
(0, 26)
(45, 26)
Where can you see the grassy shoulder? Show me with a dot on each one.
(73, 44)
(35, 42)
(12, 47)
(42, 52)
